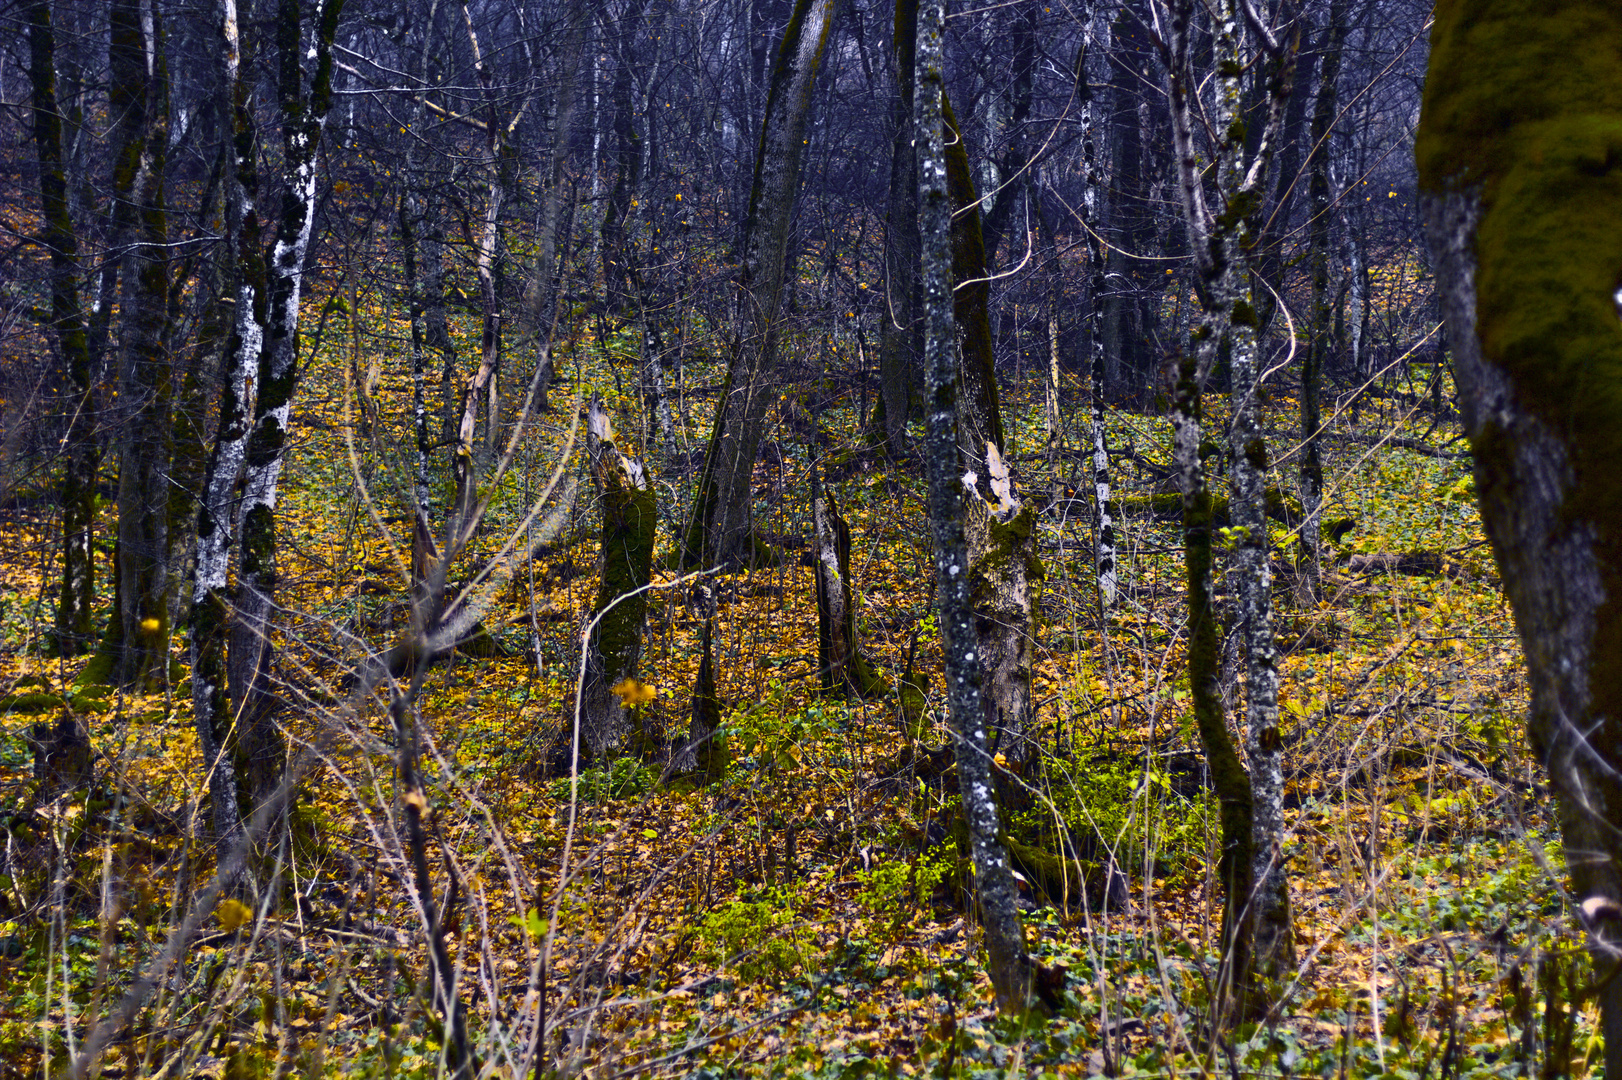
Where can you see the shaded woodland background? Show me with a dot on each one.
(355, 361)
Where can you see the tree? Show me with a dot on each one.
(720, 527)
(138, 633)
(1519, 146)
(630, 518)
(1321, 208)
(260, 377)
(1221, 238)
(1010, 965)
(78, 586)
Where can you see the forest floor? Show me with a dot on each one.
(805, 915)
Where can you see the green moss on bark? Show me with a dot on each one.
(1523, 104)
(630, 517)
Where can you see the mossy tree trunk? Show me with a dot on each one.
(979, 409)
(720, 528)
(1003, 567)
(630, 517)
(1242, 178)
(138, 633)
(74, 617)
(1009, 964)
(1221, 240)
(1520, 171)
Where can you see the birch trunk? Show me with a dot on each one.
(1105, 565)
(303, 116)
(422, 258)
(473, 455)
(209, 621)
(1221, 241)
(1009, 965)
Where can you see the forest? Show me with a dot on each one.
(810, 538)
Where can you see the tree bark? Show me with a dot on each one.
(1009, 965)
(1522, 199)
(1320, 205)
(630, 518)
(1262, 942)
(74, 624)
(138, 634)
(720, 529)
(1001, 532)
(303, 116)
(209, 621)
(1241, 181)
(841, 664)
(541, 298)
(900, 374)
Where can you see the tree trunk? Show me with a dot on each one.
(1009, 965)
(1129, 306)
(138, 635)
(1001, 535)
(841, 664)
(630, 517)
(1228, 777)
(705, 751)
(473, 454)
(1232, 295)
(1221, 243)
(422, 256)
(720, 530)
(541, 299)
(303, 118)
(900, 375)
(208, 623)
(1320, 205)
(1522, 201)
(74, 624)
(979, 410)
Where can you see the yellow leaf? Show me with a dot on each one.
(150, 625)
(633, 692)
(232, 914)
